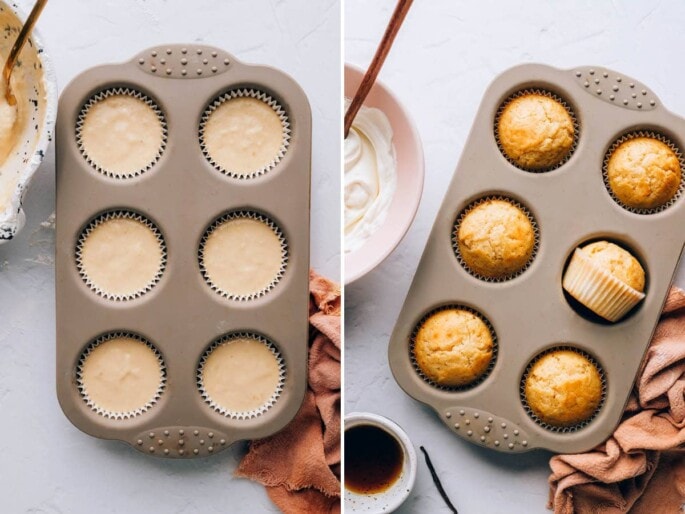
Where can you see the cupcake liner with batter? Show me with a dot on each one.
(111, 215)
(119, 91)
(244, 214)
(268, 100)
(271, 401)
(114, 415)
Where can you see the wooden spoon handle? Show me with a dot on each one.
(393, 27)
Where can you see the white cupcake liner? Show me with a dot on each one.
(453, 389)
(653, 135)
(244, 214)
(107, 216)
(242, 415)
(468, 209)
(119, 415)
(553, 96)
(119, 91)
(258, 95)
(554, 428)
(597, 289)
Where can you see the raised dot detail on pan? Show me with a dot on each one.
(168, 71)
(448, 415)
(631, 85)
(468, 421)
(184, 61)
(222, 442)
(625, 101)
(639, 105)
(214, 53)
(618, 79)
(482, 438)
(198, 71)
(486, 429)
(634, 95)
(612, 97)
(644, 92)
(140, 442)
(605, 74)
(181, 451)
(196, 432)
(162, 61)
(151, 435)
(587, 84)
(652, 102)
(524, 443)
(184, 51)
(210, 448)
(160, 442)
(181, 432)
(166, 451)
(511, 446)
(457, 426)
(462, 412)
(496, 443)
(476, 415)
(199, 51)
(592, 72)
(181, 442)
(578, 74)
(504, 425)
(196, 451)
(168, 51)
(166, 432)
(596, 81)
(151, 449)
(154, 53)
(506, 436)
(202, 441)
(141, 61)
(184, 72)
(226, 62)
(490, 420)
(205, 61)
(599, 91)
(516, 432)
(615, 88)
(210, 434)
(469, 433)
(214, 69)
(153, 69)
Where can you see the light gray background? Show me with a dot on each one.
(446, 54)
(47, 465)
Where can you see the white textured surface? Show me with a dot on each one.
(47, 465)
(443, 59)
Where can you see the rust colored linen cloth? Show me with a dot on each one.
(640, 469)
(300, 465)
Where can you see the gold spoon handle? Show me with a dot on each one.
(18, 45)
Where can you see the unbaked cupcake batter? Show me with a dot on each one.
(122, 134)
(370, 176)
(243, 135)
(121, 256)
(121, 375)
(242, 256)
(241, 375)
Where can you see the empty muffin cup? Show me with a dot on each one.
(243, 255)
(121, 255)
(121, 132)
(241, 375)
(120, 375)
(563, 389)
(453, 348)
(244, 133)
(536, 130)
(644, 172)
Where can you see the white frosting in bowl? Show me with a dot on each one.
(370, 175)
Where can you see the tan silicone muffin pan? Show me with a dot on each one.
(530, 313)
(182, 194)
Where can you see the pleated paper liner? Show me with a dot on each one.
(120, 91)
(571, 428)
(119, 415)
(553, 96)
(653, 135)
(244, 214)
(467, 210)
(270, 402)
(258, 95)
(597, 289)
(480, 379)
(111, 215)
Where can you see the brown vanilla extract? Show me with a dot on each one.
(373, 459)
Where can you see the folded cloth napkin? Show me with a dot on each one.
(300, 465)
(641, 468)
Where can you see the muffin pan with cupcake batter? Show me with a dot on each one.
(549, 261)
(182, 256)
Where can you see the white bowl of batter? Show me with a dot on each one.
(384, 171)
(25, 130)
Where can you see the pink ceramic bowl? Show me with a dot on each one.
(410, 169)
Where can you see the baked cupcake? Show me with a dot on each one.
(535, 131)
(496, 239)
(563, 388)
(453, 347)
(605, 278)
(643, 173)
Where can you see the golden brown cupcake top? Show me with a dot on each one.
(535, 131)
(617, 261)
(496, 239)
(644, 173)
(563, 388)
(453, 347)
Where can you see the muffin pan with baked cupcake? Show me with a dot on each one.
(182, 253)
(552, 254)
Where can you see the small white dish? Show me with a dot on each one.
(410, 172)
(390, 499)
